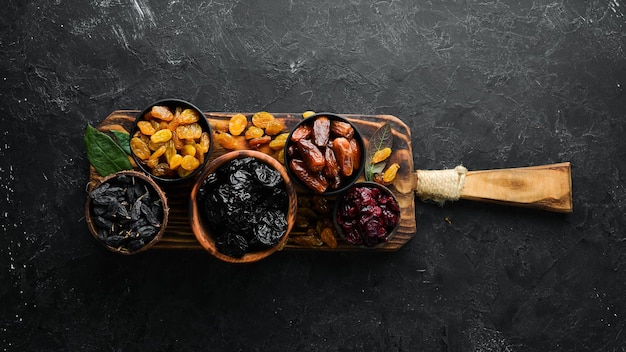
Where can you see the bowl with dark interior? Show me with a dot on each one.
(367, 214)
(127, 212)
(325, 154)
(171, 140)
(243, 206)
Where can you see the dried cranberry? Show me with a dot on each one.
(367, 215)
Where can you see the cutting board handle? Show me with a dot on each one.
(546, 187)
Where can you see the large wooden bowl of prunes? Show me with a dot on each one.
(325, 154)
(127, 212)
(243, 206)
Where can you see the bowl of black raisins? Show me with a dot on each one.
(127, 212)
(325, 154)
(367, 215)
(171, 140)
(243, 206)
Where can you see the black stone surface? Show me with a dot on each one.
(486, 84)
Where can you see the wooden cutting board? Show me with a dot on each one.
(179, 235)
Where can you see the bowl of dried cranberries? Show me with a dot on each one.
(325, 154)
(243, 206)
(171, 140)
(127, 212)
(367, 214)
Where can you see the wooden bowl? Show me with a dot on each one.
(339, 203)
(172, 104)
(346, 181)
(204, 233)
(138, 177)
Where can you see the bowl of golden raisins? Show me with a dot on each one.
(325, 154)
(171, 140)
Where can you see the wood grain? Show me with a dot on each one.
(546, 187)
(179, 235)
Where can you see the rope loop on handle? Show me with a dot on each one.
(440, 185)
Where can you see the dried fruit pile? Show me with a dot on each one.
(367, 215)
(263, 134)
(322, 153)
(245, 203)
(170, 143)
(127, 212)
(314, 219)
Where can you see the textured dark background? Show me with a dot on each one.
(486, 84)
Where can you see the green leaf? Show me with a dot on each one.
(104, 154)
(123, 139)
(382, 138)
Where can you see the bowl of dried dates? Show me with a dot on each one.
(324, 154)
(367, 214)
(171, 140)
(127, 212)
(243, 206)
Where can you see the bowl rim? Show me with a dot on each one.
(154, 185)
(203, 121)
(195, 216)
(339, 201)
(357, 173)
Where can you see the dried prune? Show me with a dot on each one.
(244, 203)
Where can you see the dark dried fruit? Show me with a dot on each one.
(321, 131)
(311, 155)
(367, 215)
(329, 150)
(127, 212)
(244, 203)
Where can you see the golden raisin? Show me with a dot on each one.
(204, 143)
(187, 116)
(221, 126)
(157, 153)
(161, 113)
(257, 142)
(308, 113)
(390, 174)
(178, 144)
(273, 127)
(279, 141)
(254, 132)
(161, 136)
(189, 163)
(139, 148)
(191, 131)
(175, 161)
(381, 155)
(237, 124)
(146, 128)
(307, 240)
(226, 140)
(188, 149)
(261, 118)
(183, 173)
(170, 150)
(328, 237)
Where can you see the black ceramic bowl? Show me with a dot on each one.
(292, 152)
(357, 220)
(187, 125)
